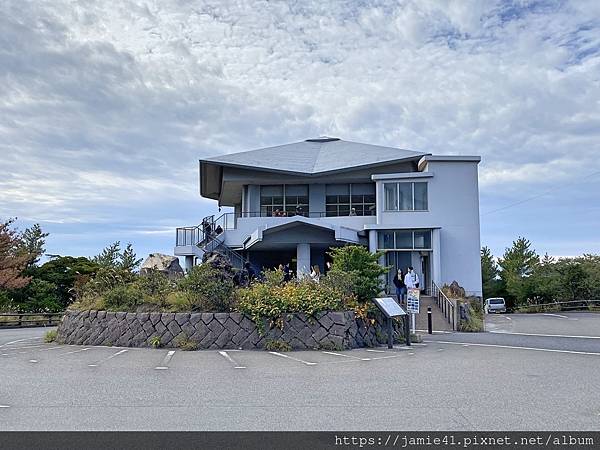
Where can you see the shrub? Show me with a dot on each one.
(155, 287)
(277, 345)
(474, 317)
(155, 341)
(123, 298)
(263, 300)
(184, 343)
(209, 289)
(50, 336)
(363, 268)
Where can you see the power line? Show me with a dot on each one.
(563, 186)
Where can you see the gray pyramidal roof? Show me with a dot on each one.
(314, 156)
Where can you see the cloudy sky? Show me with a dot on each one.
(106, 107)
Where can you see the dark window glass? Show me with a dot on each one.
(423, 239)
(420, 196)
(404, 239)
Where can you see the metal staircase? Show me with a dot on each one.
(210, 238)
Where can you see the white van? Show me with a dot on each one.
(495, 305)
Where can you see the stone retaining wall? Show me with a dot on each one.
(331, 330)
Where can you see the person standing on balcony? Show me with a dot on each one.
(400, 286)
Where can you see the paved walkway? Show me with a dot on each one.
(439, 322)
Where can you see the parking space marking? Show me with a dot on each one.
(231, 360)
(165, 363)
(560, 316)
(547, 335)
(22, 347)
(20, 340)
(376, 351)
(4, 406)
(97, 363)
(347, 356)
(520, 348)
(33, 360)
(75, 351)
(308, 363)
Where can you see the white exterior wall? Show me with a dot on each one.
(453, 206)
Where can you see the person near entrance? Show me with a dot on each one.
(400, 286)
(411, 279)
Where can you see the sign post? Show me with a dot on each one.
(413, 303)
(391, 309)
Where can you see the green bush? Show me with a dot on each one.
(155, 341)
(474, 321)
(123, 298)
(50, 336)
(277, 345)
(184, 343)
(363, 270)
(262, 300)
(208, 289)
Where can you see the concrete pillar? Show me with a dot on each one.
(436, 256)
(302, 260)
(189, 262)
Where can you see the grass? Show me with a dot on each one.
(186, 344)
(50, 336)
(277, 345)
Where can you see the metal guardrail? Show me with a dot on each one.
(20, 320)
(564, 306)
(445, 304)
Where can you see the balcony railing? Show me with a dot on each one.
(210, 226)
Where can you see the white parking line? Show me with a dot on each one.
(75, 351)
(165, 363)
(20, 340)
(4, 406)
(106, 359)
(376, 351)
(547, 335)
(347, 356)
(308, 363)
(555, 315)
(520, 348)
(231, 360)
(33, 360)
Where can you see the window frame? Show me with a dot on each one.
(395, 248)
(413, 202)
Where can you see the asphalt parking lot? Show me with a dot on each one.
(485, 381)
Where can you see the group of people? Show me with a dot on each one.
(404, 282)
(278, 213)
(208, 228)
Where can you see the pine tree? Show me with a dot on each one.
(12, 260)
(517, 265)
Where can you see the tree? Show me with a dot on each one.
(491, 283)
(518, 264)
(113, 258)
(109, 257)
(364, 268)
(13, 260)
(32, 243)
(128, 259)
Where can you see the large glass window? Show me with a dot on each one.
(405, 196)
(404, 240)
(296, 199)
(350, 199)
(386, 240)
(391, 196)
(271, 200)
(420, 196)
(423, 239)
(284, 200)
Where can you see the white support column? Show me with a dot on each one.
(189, 262)
(436, 257)
(302, 260)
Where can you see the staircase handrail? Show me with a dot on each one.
(445, 304)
